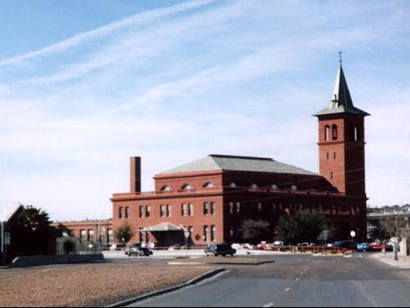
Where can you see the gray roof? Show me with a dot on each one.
(341, 101)
(238, 163)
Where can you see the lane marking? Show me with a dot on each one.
(287, 289)
(268, 305)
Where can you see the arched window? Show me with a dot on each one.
(293, 187)
(327, 132)
(187, 187)
(209, 185)
(232, 184)
(166, 188)
(355, 133)
(334, 132)
(254, 186)
(274, 186)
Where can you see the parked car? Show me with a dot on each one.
(263, 245)
(219, 249)
(278, 243)
(364, 247)
(345, 244)
(379, 246)
(137, 250)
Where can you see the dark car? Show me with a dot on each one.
(137, 250)
(220, 249)
(346, 244)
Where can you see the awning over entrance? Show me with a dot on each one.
(163, 227)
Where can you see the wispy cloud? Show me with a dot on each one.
(233, 77)
(105, 30)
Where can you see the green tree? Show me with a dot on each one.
(379, 232)
(254, 231)
(30, 232)
(124, 233)
(299, 227)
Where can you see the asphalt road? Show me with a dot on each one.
(298, 281)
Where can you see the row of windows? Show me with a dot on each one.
(334, 155)
(252, 186)
(235, 207)
(209, 236)
(187, 187)
(165, 210)
(354, 133)
(90, 236)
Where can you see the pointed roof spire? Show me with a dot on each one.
(341, 101)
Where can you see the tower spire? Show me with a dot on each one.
(341, 101)
(340, 57)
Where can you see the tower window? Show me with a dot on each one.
(327, 155)
(355, 133)
(334, 155)
(334, 132)
(331, 175)
(327, 133)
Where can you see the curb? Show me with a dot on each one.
(169, 289)
(220, 263)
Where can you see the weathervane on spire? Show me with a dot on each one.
(340, 57)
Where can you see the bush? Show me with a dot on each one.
(300, 227)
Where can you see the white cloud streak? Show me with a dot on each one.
(105, 30)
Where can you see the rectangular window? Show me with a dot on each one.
(120, 212)
(206, 208)
(230, 207)
(169, 210)
(83, 235)
(205, 236)
(127, 212)
(162, 210)
(259, 207)
(147, 210)
(91, 235)
(183, 209)
(327, 155)
(110, 236)
(213, 208)
(190, 231)
(238, 207)
(334, 155)
(190, 209)
(331, 175)
(141, 211)
(213, 233)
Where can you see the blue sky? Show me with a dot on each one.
(86, 84)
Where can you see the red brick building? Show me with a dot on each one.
(88, 230)
(206, 200)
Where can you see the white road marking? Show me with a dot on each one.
(268, 305)
(287, 289)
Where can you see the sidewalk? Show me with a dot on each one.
(388, 258)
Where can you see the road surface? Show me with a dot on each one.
(298, 281)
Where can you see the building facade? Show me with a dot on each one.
(206, 200)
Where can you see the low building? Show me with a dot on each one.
(97, 231)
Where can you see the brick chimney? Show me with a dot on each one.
(135, 174)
